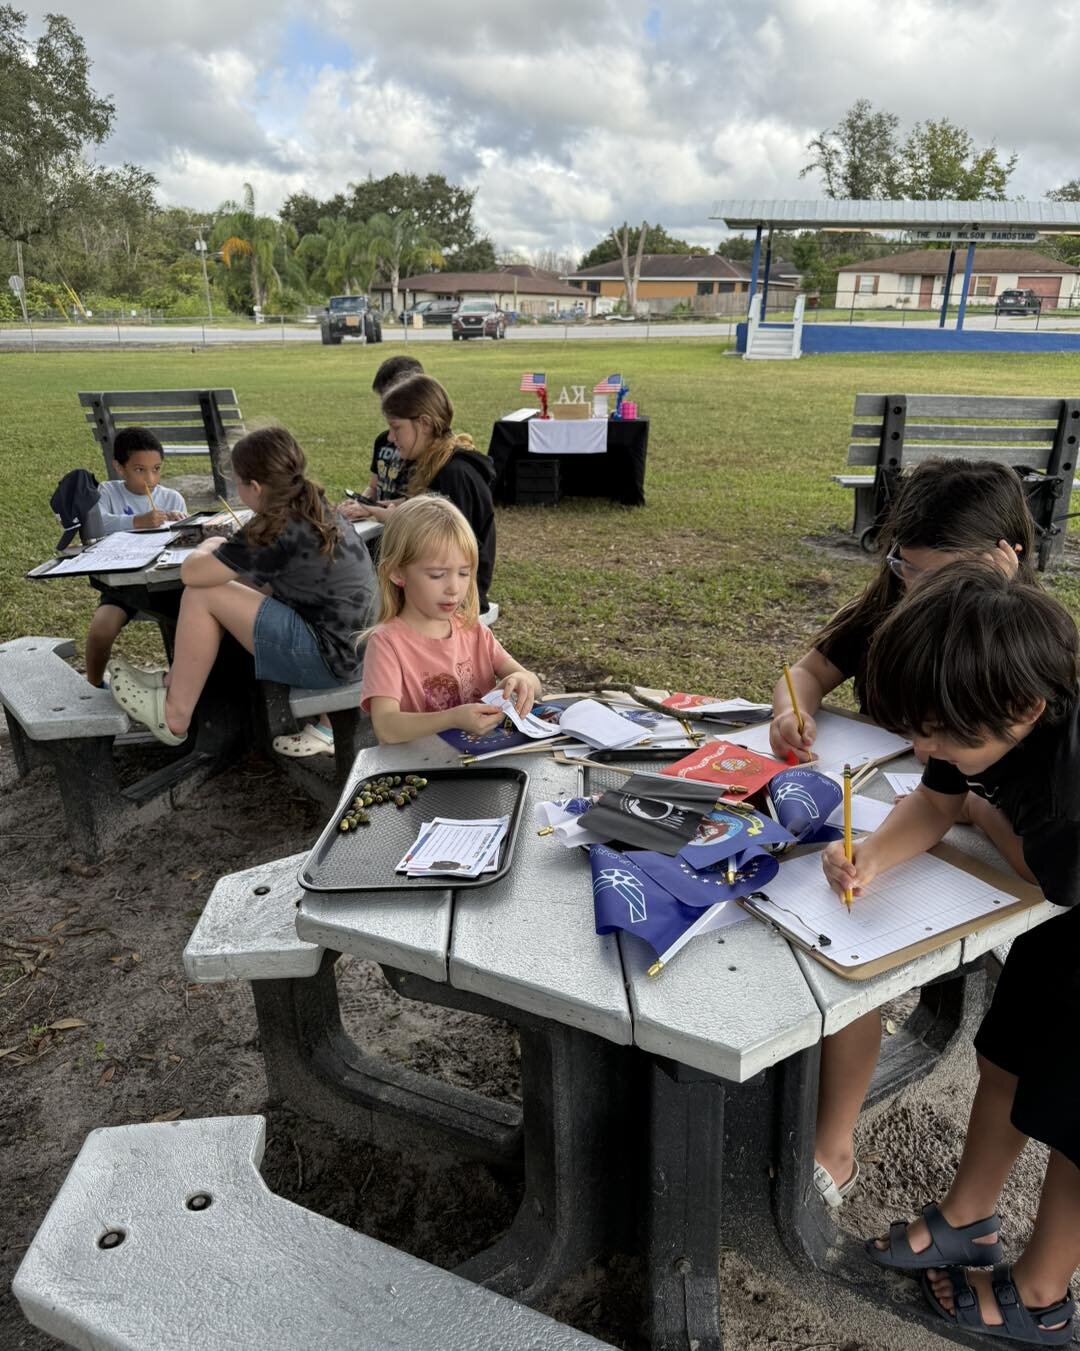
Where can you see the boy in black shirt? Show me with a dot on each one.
(981, 672)
(389, 472)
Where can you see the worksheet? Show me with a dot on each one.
(901, 907)
(840, 741)
(902, 784)
(124, 551)
(464, 848)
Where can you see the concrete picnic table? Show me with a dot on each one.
(668, 1116)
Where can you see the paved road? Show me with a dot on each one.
(194, 335)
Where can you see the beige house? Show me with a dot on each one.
(515, 287)
(916, 280)
(706, 283)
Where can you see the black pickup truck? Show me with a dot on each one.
(350, 317)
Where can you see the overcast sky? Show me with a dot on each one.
(569, 115)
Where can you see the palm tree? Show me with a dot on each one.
(400, 242)
(342, 255)
(263, 244)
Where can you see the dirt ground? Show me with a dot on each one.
(98, 1026)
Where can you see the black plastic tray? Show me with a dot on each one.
(365, 859)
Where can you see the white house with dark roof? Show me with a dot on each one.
(705, 282)
(916, 279)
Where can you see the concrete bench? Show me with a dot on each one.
(47, 700)
(166, 1237)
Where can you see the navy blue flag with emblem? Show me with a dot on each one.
(626, 897)
(804, 800)
(726, 831)
(753, 869)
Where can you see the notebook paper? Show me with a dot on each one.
(840, 741)
(124, 551)
(906, 905)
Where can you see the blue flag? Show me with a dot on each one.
(726, 831)
(700, 887)
(804, 801)
(625, 897)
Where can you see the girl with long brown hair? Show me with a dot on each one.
(420, 418)
(296, 548)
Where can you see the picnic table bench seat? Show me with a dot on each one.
(165, 1236)
(1038, 435)
(185, 421)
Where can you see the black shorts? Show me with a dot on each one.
(111, 598)
(1031, 1030)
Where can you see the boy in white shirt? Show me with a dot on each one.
(135, 500)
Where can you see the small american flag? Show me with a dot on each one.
(611, 385)
(532, 381)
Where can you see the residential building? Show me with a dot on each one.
(916, 279)
(515, 287)
(706, 283)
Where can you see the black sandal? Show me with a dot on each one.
(948, 1245)
(1021, 1324)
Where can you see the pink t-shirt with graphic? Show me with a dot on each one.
(428, 675)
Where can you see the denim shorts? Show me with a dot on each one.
(286, 651)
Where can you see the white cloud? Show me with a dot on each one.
(570, 118)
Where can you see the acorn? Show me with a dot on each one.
(421, 783)
(343, 824)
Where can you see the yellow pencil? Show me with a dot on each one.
(847, 828)
(232, 513)
(149, 496)
(794, 702)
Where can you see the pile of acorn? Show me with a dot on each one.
(387, 788)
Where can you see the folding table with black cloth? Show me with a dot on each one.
(526, 478)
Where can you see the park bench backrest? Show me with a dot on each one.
(185, 421)
(894, 432)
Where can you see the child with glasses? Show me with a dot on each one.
(946, 510)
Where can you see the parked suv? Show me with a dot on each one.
(350, 317)
(478, 319)
(432, 311)
(1018, 302)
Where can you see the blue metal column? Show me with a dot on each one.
(754, 262)
(948, 287)
(765, 283)
(969, 264)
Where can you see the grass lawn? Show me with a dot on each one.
(699, 590)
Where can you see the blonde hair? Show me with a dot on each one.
(417, 396)
(420, 529)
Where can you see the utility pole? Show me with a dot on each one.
(200, 249)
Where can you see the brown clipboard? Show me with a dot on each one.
(1026, 893)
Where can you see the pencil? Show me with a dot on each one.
(232, 513)
(149, 496)
(794, 702)
(847, 828)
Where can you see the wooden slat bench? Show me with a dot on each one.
(186, 421)
(164, 1237)
(895, 432)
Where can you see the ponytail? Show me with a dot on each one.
(272, 457)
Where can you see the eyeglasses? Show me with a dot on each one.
(900, 567)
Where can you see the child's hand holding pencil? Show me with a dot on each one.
(854, 876)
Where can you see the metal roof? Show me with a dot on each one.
(749, 213)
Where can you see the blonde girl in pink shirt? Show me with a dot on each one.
(428, 661)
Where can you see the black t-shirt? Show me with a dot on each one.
(389, 468)
(1036, 785)
(332, 593)
(466, 480)
(847, 650)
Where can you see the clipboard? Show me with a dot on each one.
(1026, 895)
(761, 729)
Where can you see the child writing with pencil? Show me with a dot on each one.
(946, 510)
(134, 501)
(296, 548)
(429, 660)
(981, 672)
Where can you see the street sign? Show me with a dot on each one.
(15, 283)
(976, 236)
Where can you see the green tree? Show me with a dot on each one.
(855, 159)
(303, 211)
(48, 114)
(402, 244)
(444, 210)
(939, 161)
(1066, 247)
(657, 240)
(478, 256)
(342, 253)
(260, 246)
